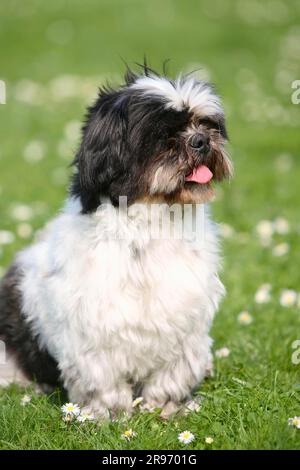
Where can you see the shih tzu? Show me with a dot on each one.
(96, 304)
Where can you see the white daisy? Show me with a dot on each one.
(186, 437)
(85, 417)
(64, 87)
(29, 92)
(24, 230)
(6, 237)
(209, 440)
(70, 409)
(25, 400)
(137, 402)
(281, 226)
(265, 229)
(226, 231)
(288, 298)
(34, 151)
(128, 434)
(245, 318)
(295, 421)
(21, 212)
(263, 295)
(223, 352)
(281, 249)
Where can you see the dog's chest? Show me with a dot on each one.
(160, 288)
(96, 293)
(145, 304)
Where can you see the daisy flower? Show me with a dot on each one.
(70, 409)
(209, 440)
(25, 400)
(245, 318)
(223, 352)
(295, 421)
(128, 434)
(29, 92)
(281, 226)
(262, 295)
(137, 402)
(22, 212)
(288, 298)
(24, 230)
(186, 437)
(6, 237)
(265, 229)
(34, 151)
(226, 231)
(85, 417)
(281, 249)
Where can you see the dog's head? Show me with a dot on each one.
(152, 139)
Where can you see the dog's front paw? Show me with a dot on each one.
(170, 409)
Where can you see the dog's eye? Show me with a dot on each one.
(209, 123)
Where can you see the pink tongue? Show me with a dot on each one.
(200, 175)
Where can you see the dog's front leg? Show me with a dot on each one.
(169, 387)
(100, 389)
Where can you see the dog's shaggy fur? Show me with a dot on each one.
(96, 304)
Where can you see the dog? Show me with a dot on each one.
(98, 306)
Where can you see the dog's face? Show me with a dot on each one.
(154, 140)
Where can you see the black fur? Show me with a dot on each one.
(125, 131)
(122, 133)
(36, 363)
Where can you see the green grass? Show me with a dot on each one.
(252, 56)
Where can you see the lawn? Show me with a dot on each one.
(53, 56)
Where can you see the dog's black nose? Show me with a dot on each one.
(200, 142)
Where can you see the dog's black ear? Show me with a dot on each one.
(99, 159)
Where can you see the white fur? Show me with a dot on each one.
(197, 96)
(114, 307)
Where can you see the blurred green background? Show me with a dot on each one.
(54, 55)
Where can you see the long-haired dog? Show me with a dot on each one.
(97, 304)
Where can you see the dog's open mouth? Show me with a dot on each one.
(200, 175)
